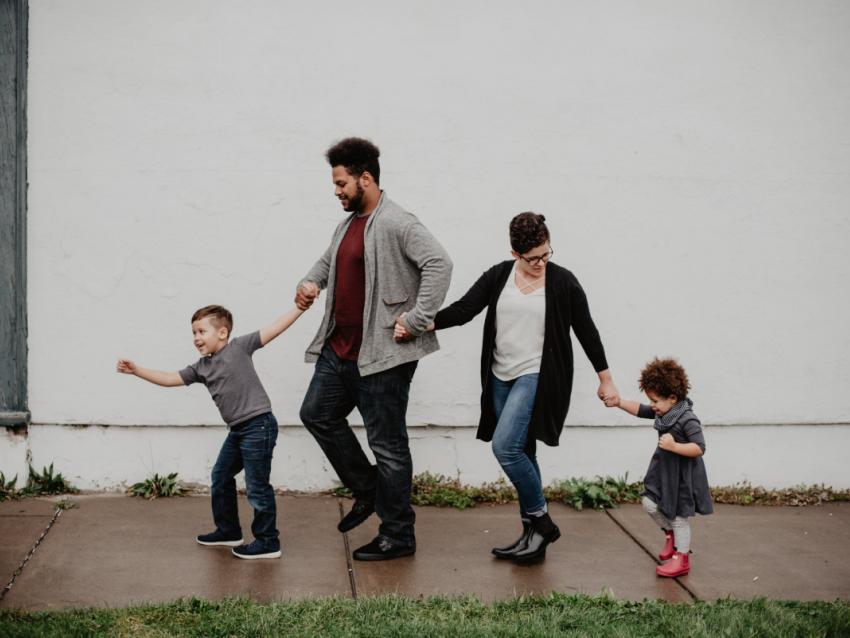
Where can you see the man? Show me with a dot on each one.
(381, 262)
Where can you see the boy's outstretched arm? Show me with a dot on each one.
(165, 379)
(280, 324)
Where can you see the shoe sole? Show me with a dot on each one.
(255, 556)
(374, 557)
(223, 543)
(347, 528)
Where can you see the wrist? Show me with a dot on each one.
(605, 375)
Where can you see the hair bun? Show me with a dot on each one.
(542, 218)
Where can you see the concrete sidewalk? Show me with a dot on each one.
(116, 551)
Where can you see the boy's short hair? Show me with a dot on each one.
(357, 156)
(665, 377)
(219, 316)
(528, 230)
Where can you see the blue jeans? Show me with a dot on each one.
(250, 446)
(335, 390)
(513, 402)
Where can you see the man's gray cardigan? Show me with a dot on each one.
(407, 270)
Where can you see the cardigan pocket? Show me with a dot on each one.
(393, 307)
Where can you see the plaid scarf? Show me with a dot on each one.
(666, 421)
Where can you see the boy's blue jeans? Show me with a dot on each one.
(250, 446)
(513, 402)
(335, 390)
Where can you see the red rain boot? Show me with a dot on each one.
(679, 565)
(669, 548)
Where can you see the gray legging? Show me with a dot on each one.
(679, 525)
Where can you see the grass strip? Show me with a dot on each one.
(551, 615)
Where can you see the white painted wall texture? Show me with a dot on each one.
(692, 159)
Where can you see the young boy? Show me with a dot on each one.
(226, 368)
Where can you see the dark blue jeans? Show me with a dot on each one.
(513, 402)
(335, 390)
(250, 446)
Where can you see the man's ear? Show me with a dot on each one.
(366, 179)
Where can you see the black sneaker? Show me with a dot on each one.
(256, 549)
(383, 548)
(360, 511)
(217, 538)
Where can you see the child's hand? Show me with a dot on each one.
(126, 366)
(667, 442)
(306, 294)
(611, 401)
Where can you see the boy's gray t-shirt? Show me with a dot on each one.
(231, 380)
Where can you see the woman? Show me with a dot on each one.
(527, 366)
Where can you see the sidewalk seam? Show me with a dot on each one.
(29, 555)
(651, 555)
(351, 579)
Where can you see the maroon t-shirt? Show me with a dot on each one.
(350, 292)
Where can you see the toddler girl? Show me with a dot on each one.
(676, 484)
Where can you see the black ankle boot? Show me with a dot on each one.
(543, 532)
(519, 544)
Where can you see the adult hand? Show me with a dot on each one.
(400, 332)
(306, 294)
(126, 366)
(608, 392)
(667, 442)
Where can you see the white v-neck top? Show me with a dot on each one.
(520, 327)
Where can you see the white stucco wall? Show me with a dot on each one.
(692, 159)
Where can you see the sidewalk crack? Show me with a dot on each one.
(687, 589)
(29, 555)
(351, 579)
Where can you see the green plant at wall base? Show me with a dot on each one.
(46, 482)
(430, 489)
(157, 487)
(66, 504)
(599, 493)
(7, 488)
(799, 495)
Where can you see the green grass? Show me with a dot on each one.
(552, 615)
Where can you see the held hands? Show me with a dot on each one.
(608, 393)
(400, 333)
(611, 401)
(126, 366)
(667, 442)
(306, 294)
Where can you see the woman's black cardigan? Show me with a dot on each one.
(566, 306)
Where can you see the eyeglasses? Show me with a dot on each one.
(536, 260)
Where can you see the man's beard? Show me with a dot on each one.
(355, 204)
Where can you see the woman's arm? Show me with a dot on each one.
(470, 304)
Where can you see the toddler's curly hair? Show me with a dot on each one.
(665, 377)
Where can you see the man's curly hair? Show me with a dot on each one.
(528, 230)
(357, 156)
(665, 377)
